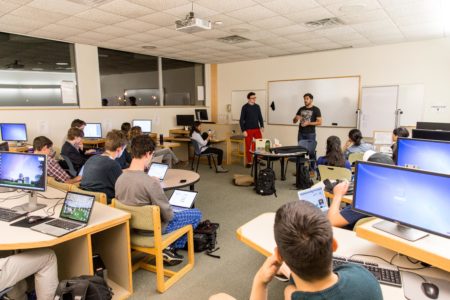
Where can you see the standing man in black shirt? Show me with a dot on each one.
(309, 117)
(252, 124)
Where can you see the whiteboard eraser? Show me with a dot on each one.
(334, 124)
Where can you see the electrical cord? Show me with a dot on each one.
(53, 208)
(390, 261)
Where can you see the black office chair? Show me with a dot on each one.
(70, 168)
(198, 153)
(310, 147)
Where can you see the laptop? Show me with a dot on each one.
(74, 215)
(182, 200)
(315, 196)
(158, 170)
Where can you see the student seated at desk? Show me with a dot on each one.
(40, 262)
(73, 148)
(347, 217)
(304, 239)
(203, 143)
(398, 132)
(125, 159)
(101, 171)
(355, 143)
(135, 187)
(43, 145)
(334, 156)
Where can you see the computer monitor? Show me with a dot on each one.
(201, 114)
(405, 198)
(4, 146)
(185, 120)
(433, 126)
(431, 134)
(14, 132)
(146, 125)
(93, 130)
(24, 171)
(426, 155)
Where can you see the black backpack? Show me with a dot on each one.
(265, 183)
(84, 288)
(304, 180)
(205, 238)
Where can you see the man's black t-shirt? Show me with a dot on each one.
(310, 115)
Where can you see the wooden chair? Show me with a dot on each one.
(148, 218)
(51, 181)
(333, 173)
(355, 156)
(99, 196)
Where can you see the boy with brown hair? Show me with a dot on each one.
(304, 239)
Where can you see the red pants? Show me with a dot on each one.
(251, 133)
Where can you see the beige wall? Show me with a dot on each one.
(426, 62)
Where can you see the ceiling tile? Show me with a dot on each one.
(47, 34)
(136, 25)
(226, 20)
(165, 42)
(374, 15)
(144, 37)
(252, 13)
(80, 23)
(30, 24)
(100, 16)
(188, 38)
(222, 6)
(7, 6)
(82, 40)
(299, 37)
(210, 34)
(293, 29)
(13, 28)
(250, 44)
(125, 8)
(324, 46)
(289, 6)
(92, 35)
(272, 22)
(58, 28)
(375, 25)
(165, 32)
(183, 10)
(44, 16)
(122, 41)
(338, 8)
(308, 15)
(161, 4)
(114, 31)
(257, 34)
(160, 19)
(424, 30)
(273, 41)
(59, 6)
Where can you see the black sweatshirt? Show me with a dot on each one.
(251, 117)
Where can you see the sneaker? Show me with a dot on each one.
(221, 169)
(176, 254)
(170, 258)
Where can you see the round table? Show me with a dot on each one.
(173, 179)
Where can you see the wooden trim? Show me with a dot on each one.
(251, 244)
(214, 91)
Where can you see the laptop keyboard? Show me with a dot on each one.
(9, 215)
(63, 224)
(385, 276)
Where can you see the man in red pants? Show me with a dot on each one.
(252, 124)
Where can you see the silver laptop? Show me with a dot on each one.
(182, 200)
(158, 170)
(315, 196)
(74, 215)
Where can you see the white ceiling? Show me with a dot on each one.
(274, 27)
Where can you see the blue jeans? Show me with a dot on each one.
(181, 219)
(306, 136)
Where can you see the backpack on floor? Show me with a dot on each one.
(84, 287)
(305, 181)
(205, 238)
(265, 183)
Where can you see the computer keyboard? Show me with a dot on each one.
(63, 224)
(385, 276)
(9, 215)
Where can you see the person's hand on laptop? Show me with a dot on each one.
(341, 188)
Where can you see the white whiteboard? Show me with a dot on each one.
(410, 101)
(337, 99)
(239, 98)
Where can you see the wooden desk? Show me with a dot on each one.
(169, 145)
(258, 235)
(237, 152)
(173, 177)
(94, 143)
(432, 249)
(106, 234)
(23, 148)
(187, 141)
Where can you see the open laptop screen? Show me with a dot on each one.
(182, 198)
(315, 196)
(77, 207)
(158, 170)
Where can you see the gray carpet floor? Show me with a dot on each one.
(231, 206)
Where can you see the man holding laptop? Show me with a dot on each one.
(147, 190)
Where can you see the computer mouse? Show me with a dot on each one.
(430, 290)
(34, 219)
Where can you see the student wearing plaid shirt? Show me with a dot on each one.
(43, 145)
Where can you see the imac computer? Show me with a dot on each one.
(431, 134)
(14, 132)
(411, 202)
(201, 114)
(433, 126)
(426, 155)
(93, 130)
(26, 172)
(146, 125)
(185, 120)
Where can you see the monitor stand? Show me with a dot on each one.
(32, 204)
(404, 232)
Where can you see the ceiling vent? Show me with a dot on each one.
(324, 23)
(233, 39)
(90, 2)
(191, 24)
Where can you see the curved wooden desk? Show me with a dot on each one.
(173, 177)
(107, 234)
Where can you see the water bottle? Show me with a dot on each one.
(161, 139)
(267, 146)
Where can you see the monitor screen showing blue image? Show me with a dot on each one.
(414, 198)
(23, 171)
(13, 132)
(93, 130)
(426, 155)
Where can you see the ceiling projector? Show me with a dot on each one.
(192, 24)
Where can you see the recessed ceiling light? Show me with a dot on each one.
(239, 30)
(62, 64)
(148, 47)
(353, 8)
(218, 23)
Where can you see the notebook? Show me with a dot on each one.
(158, 170)
(182, 200)
(74, 215)
(315, 196)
